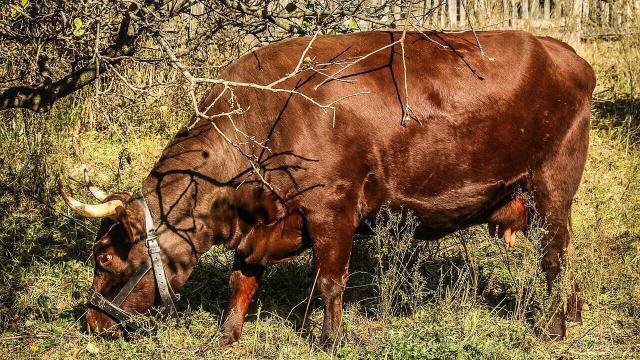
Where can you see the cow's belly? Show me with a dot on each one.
(442, 209)
(443, 214)
(455, 208)
(453, 179)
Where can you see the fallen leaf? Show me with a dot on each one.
(92, 348)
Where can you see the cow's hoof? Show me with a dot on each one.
(213, 345)
(555, 330)
(328, 344)
(575, 306)
(553, 336)
(230, 334)
(574, 315)
(227, 340)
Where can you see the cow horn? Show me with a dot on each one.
(94, 190)
(107, 209)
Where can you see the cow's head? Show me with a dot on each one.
(118, 252)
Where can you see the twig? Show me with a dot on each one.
(83, 225)
(306, 310)
(17, 337)
(406, 112)
(355, 62)
(228, 87)
(300, 62)
(464, 6)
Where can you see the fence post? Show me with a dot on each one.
(535, 12)
(627, 15)
(505, 11)
(576, 18)
(423, 15)
(547, 10)
(557, 12)
(525, 9)
(605, 15)
(618, 18)
(452, 6)
(585, 10)
(196, 10)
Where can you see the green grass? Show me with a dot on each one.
(482, 303)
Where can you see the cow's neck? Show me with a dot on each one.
(197, 169)
(181, 205)
(179, 212)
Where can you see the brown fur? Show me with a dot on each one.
(477, 124)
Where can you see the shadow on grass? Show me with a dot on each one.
(621, 113)
(35, 235)
(284, 291)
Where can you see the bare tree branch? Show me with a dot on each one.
(38, 33)
(42, 97)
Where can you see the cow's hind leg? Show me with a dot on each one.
(554, 246)
(555, 185)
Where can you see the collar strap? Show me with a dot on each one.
(154, 262)
(164, 288)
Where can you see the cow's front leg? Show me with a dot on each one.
(244, 282)
(332, 243)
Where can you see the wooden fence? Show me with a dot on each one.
(580, 18)
(585, 18)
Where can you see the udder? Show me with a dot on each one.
(509, 219)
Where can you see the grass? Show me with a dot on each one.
(468, 297)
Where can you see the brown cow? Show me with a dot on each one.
(480, 126)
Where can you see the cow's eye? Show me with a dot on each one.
(104, 259)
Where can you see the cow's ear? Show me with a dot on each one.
(222, 221)
(131, 223)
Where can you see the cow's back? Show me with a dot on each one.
(469, 128)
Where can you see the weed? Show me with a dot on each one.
(398, 280)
